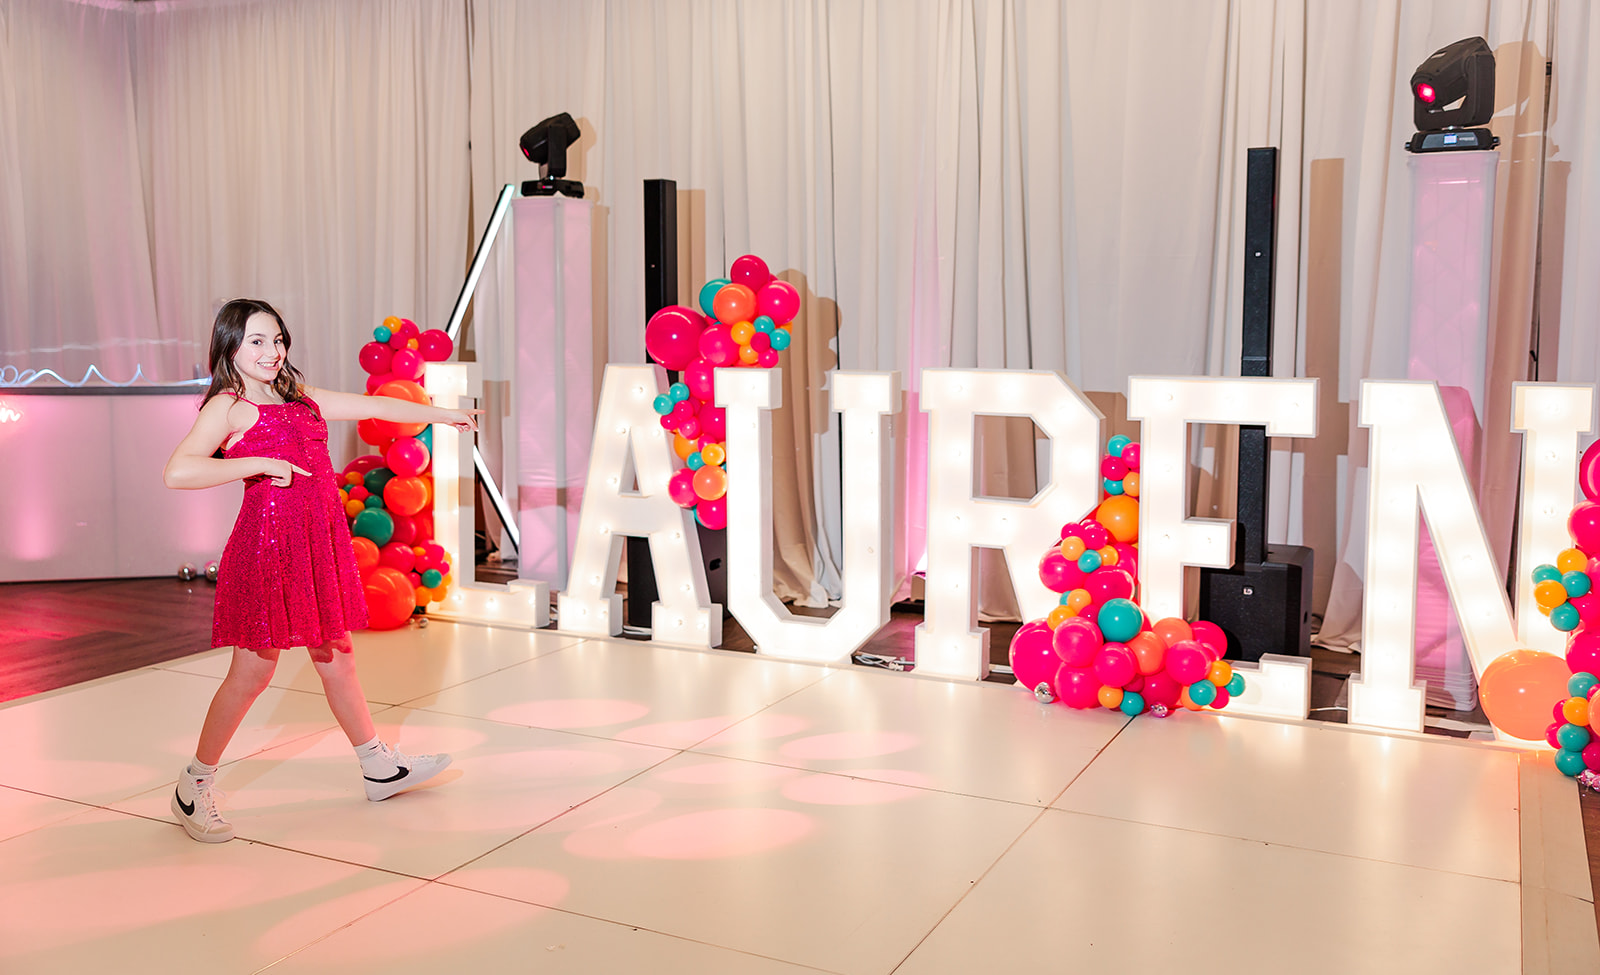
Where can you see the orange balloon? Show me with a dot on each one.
(741, 332)
(1518, 688)
(405, 495)
(1108, 555)
(683, 448)
(1550, 594)
(1172, 629)
(1576, 710)
(1078, 598)
(1111, 697)
(390, 598)
(1058, 614)
(1130, 484)
(713, 454)
(1071, 547)
(1220, 673)
(734, 303)
(353, 508)
(423, 597)
(1149, 652)
(1120, 514)
(1572, 560)
(710, 483)
(749, 355)
(401, 389)
(366, 553)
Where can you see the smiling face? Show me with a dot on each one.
(263, 351)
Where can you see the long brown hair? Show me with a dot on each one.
(227, 334)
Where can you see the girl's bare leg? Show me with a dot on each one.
(248, 675)
(345, 698)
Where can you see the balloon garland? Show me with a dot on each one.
(1097, 647)
(388, 494)
(745, 323)
(1517, 689)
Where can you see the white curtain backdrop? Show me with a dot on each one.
(996, 183)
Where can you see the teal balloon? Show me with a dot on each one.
(1115, 444)
(1569, 762)
(764, 323)
(1064, 597)
(1132, 703)
(372, 501)
(1544, 573)
(1202, 692)
(1565, 617)
(1120, 620)
(1236, 685)
(708, 295)
(1573, 736)
(1579, 684)
(376, 524)
(426, 436)
(1112, 487)
(432, 578)
(678, 391)
(781, 339)
(1576, 584)
(376, 479)
(382, 334)
(662, 404)
(695, 461)
(1089, 561)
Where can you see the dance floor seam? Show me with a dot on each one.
(619, 806)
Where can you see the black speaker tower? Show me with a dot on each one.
(661, 290)
(1262, 603)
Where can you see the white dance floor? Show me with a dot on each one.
(623, 807)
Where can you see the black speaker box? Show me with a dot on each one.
(660, 290)
(1263, 607)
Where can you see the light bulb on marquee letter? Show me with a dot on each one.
(1551, 417)
(949, 643)
(1169, 540)
(867, 400)
(524, 602)
(628, 437)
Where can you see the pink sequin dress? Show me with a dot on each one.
(288, 576)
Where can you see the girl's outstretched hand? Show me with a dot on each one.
(282, 472)
(466, 423)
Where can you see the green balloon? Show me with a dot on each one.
(1565, 617)
(372, 501)
(1578, 684)
(376, 524)
(1115, 444)
(1545, 573)
(1569, 762)
(375, 479)
(432, 578)
(1573, 737)
(1202, 692)
(708, 294)
(1236, 685)
(1120, 620)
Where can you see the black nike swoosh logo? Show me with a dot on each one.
(187, 807)
(393, 778)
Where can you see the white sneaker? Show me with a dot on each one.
(198, 812)
(410, 770)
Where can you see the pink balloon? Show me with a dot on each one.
(1221, 700)
(1589, 472)
(408, 364)
(767, 358)
(1130, 456)
(681, 488)
(1187, 662)
(750, 271)
(1094, 534)
(1209, 634)
(1108, 582)
(761, 341)
(1591, 755)
(1078, 687)
(1558, 711)
(1162, 689)
(700, 377)
(375, 358)
(405, 333)
(407, 457)
(672, 336)
(779, 301)
(1076, 641)
(1583, 652)
(713, 513)
(435, 345)
(364, 463)
(685, 408)
(1588, 607)
(713, 423)
(1113, 468)
(1555, 726)
(1032, 659)
(1114, 665)
(689, 429)
(1584, 526)
(669, 422)
(1136, 685)
(1127, 560)
(378, 379)
(717, 345)
(1053, 570)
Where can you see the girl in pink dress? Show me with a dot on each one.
(288, 576)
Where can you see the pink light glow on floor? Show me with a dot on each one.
(850, 744)
(432, 921)
(720, 833)
(677, 734)
(839, 790)
(571, 713)
(724, 772)
(545, 887)
(306, 926)
(765, 727)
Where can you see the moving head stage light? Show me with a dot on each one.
(1452, 91)
(546, 144)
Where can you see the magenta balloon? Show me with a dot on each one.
(1127, 559)
(408, 364)
(750, 271)
(1032, 660)
(1108, 582)
(1583, 652)
(407, 457)
(779, 301)
(689, 429)
(700, 377)
(1076, 641)
(435, 345)
(681, 488)
(1210, 636)
(1588, 607)
(1130, 456)
(1584, 525)
(767, 358)
(375, 358)
(672, 336)
(1160, 688)
(1589, 472)
(713, 423)
(1187, 662)
(1053, 570)
(713, 512)
(717, 345)
(685, 408)
(1078, 687)
(1555, 726)
(1115, 665)
(1221, 699)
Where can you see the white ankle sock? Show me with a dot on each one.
(375, 758)
(200, 769)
